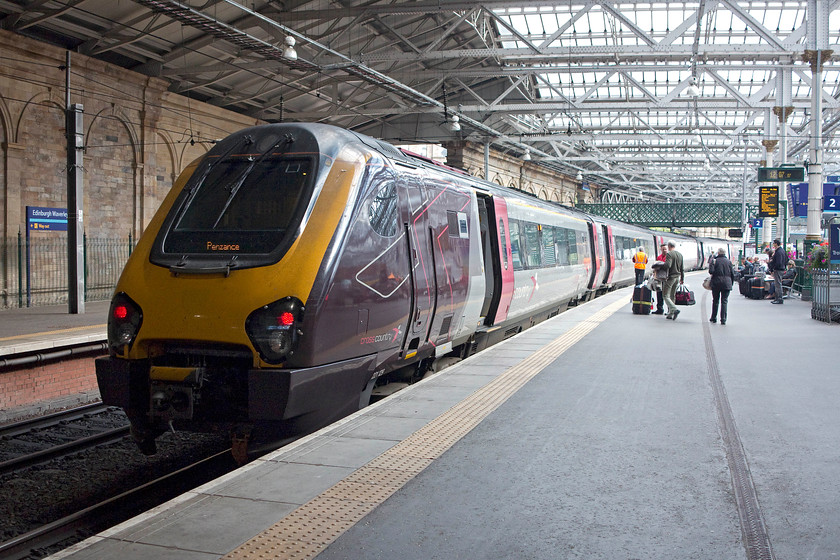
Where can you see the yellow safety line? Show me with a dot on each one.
(38, 334)
(308, 530)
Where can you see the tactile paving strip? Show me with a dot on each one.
(308, 530)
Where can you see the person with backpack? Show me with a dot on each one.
(777, 265)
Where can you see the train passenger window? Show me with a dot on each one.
(561, 244)
(515, 245)
(532, 243)
(549, 249)
(382, 212)
(573, 247)
(504, 243)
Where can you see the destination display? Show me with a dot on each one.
(780, 174)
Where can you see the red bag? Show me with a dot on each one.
(684, 296)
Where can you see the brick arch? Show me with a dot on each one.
(112, 177)
(39, 131)
(189, 149)
(5, 120)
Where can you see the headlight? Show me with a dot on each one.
(124, 322)
(274, 329)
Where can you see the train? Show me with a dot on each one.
(296, 267)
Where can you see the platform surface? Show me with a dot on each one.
(598, 434)
(32, 329)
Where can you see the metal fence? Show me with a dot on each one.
(33, 272)
(825, 305)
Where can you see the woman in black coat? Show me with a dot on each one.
(722, 278)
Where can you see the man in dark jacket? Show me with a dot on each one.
(777, 265)
(722, 278)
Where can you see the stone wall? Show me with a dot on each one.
(138, 137)
(513, 172)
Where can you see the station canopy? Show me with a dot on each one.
(654, 101)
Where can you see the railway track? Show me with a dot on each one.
(27, 443)
(77, 526)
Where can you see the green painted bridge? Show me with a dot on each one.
(677, 214)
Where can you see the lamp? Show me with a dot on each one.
(527, 155)
(454, 123)
(579, 176)
(290, 52)
(692, 90)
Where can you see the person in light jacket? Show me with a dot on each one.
(723, 277)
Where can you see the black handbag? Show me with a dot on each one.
(684, 296)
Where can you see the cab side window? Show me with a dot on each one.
(382, 212)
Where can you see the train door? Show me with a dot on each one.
(498, 263)
(489, 248)
(595, 251)
(423, 289)
(609, 246)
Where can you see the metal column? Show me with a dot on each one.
(74, 126)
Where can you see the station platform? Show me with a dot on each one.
(596, 434)
(33, 329)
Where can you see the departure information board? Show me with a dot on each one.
(768, 202)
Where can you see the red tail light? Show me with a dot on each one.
(274, 329)
(123, 323)
(286, 319)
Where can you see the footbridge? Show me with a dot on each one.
(675, 214)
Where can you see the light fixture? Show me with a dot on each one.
(579, 176)
(454, 123)
(290, 52)
(692, 90)
(527, 155)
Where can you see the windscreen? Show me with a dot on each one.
(242, 206)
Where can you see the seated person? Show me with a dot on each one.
(747, 269)
(789, 275)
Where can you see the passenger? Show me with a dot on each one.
(660, 275)
(787, 280)
(759, 265)
(674, 268)
(640, 261)
(777, 265)
(722, 278)
(748, 269)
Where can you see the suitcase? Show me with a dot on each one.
(642, 298)
(744, 285)
(756, 288)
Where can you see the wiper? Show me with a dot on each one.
(237, 184)
(197, 181)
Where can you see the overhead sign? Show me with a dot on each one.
(46, 219)
(768, 202)
(831, 203)
(757, 223)
(780, 174)
(834, 243)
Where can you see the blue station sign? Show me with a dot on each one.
(831, 203)
(39, 218)
(834, 243)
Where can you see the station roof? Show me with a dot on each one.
(601, 90)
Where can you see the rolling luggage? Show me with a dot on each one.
(642, 298)
(744, 285)
(756, 288)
